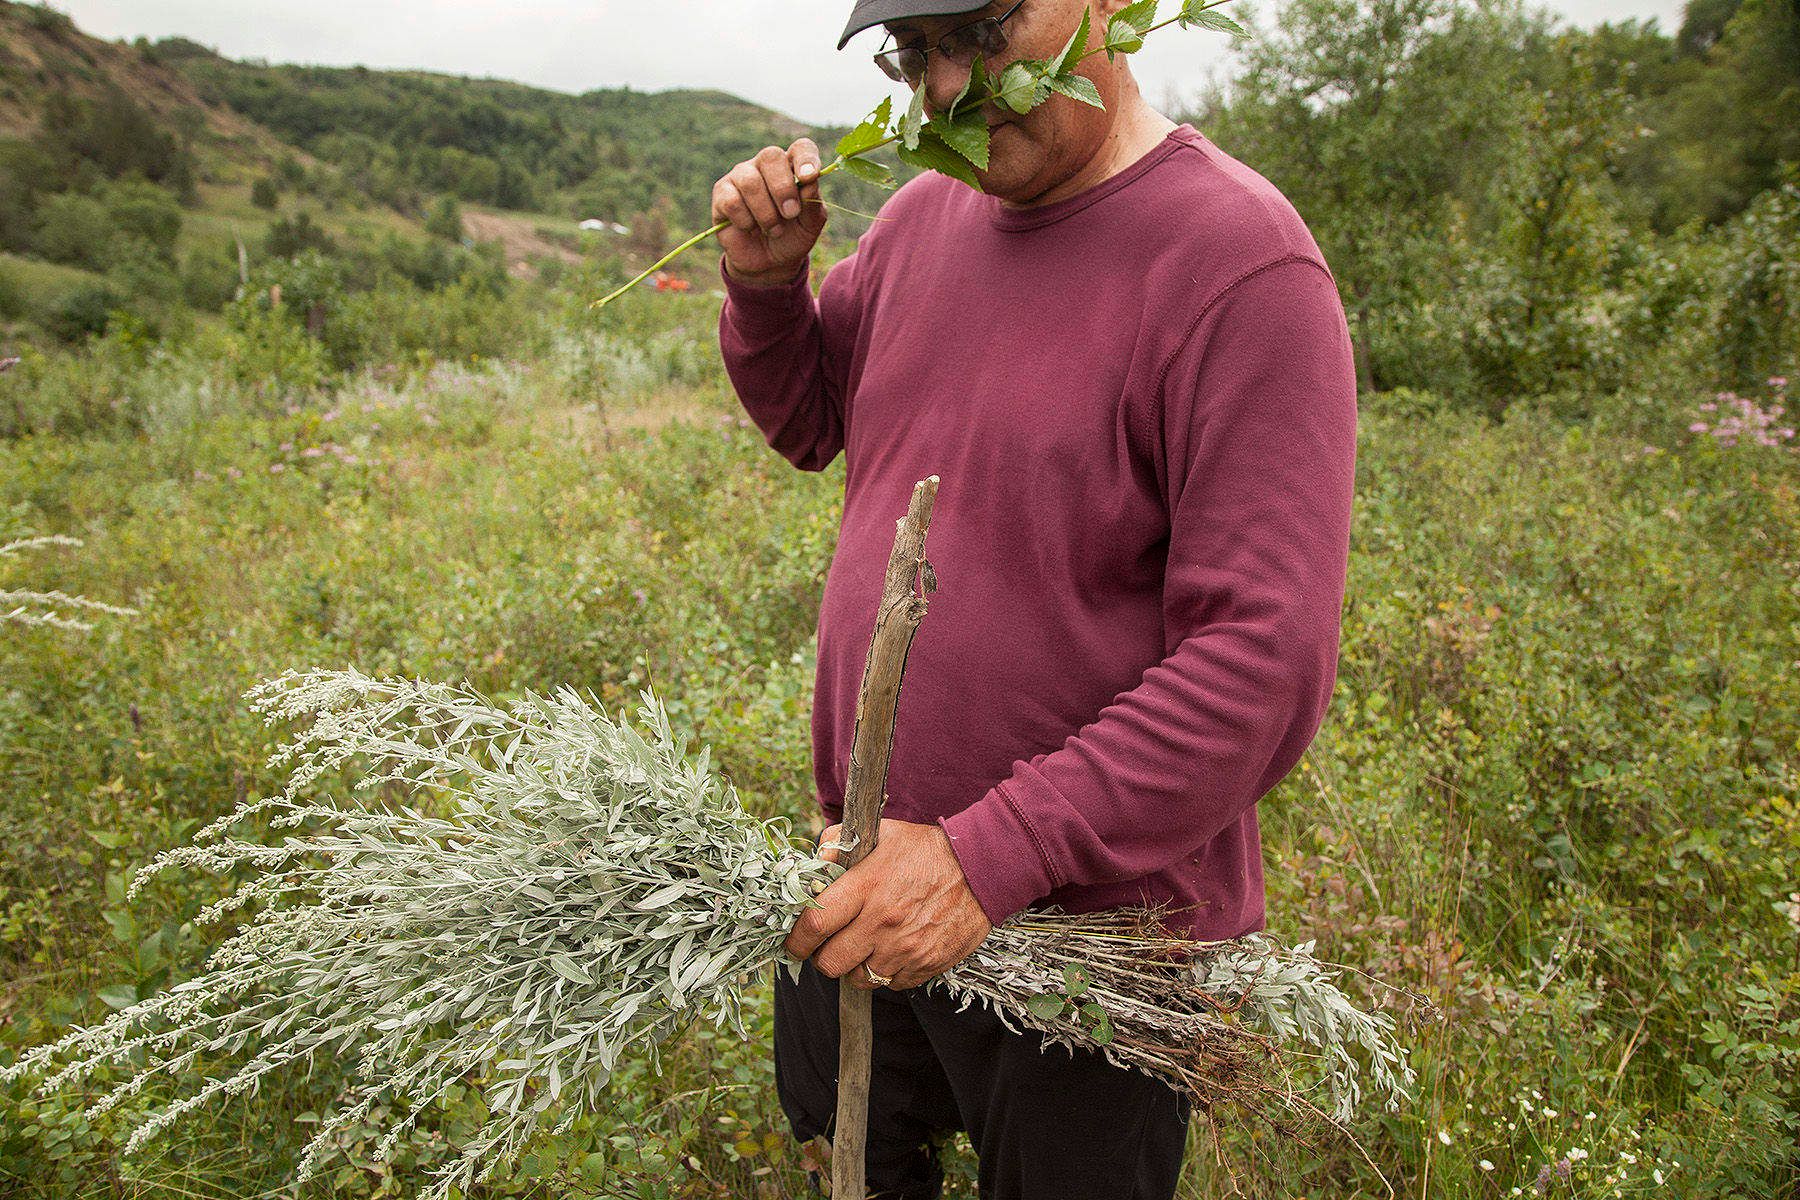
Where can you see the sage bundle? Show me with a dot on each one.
(547, 889)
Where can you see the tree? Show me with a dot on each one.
(446, 220)
(1383, 121)
(263, 193)
(73, 229)
(290, 235)
(145, 212)
(1734, 123)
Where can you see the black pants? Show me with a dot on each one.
(1046, 1124)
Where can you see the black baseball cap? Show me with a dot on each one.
(874, 12)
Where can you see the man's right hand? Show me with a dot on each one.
(772, 202)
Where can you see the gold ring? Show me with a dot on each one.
(877, 980)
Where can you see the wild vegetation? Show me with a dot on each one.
(1557, 786)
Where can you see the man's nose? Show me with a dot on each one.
(944, 78)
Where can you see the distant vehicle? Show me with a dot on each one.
(598, 226)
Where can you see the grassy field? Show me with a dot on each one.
(1556, 789)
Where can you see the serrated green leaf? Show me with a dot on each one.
(874, 172)
(871, 133)
(1122, 37)
(967, 135)
(976, 85)
(1075, 980)
(934, 155)
(1196, 16)
(1140, 16)
(1021, 89)
(1046, 1007)
(1102, 1033)
(1076, 47)
(913, 121)
(1077, 87)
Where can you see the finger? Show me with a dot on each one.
(778, 176)
(838, 906)
(860, 979)
(755, 191)
(728, 205)
(896, 970)
(844, 951)
(804, 155)
(827, 851)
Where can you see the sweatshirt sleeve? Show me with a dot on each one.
(1258, 440)
(787, 354)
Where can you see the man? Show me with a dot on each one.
(1127, 361)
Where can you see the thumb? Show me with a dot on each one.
(827, 851)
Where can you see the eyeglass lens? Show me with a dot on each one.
(907, 63)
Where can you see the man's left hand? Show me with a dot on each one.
(904, 913)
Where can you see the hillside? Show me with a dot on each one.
(157, 177)
(610, 153)
(47, 63)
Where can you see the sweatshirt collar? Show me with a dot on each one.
(1044, 214)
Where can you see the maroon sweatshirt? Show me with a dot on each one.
(1141, 404)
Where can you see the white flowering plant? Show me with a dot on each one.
(54, 609)
(556, 889)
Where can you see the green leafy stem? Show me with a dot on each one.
(1048, 1006)
(955, 142)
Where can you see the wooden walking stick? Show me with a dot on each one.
(909, 577)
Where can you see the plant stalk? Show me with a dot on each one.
(902, 608)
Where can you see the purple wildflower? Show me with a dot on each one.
(1778, 381)
(1697, 427)
(311, 452)
(277, 468)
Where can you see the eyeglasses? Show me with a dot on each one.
(906, 64)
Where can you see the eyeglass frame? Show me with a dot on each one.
(889, 62)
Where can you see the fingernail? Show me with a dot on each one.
(790, 209)
(807, 170)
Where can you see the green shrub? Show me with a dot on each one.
(25, 171)
(445, 220)
(83, 312)
(75, 229)
(146, 213)
(12, 295)
(291, 235)
(209, 276)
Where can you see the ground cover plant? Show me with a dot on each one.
(1554, 792)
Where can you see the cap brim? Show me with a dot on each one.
(874, 12)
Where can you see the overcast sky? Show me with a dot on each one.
(779, 53)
